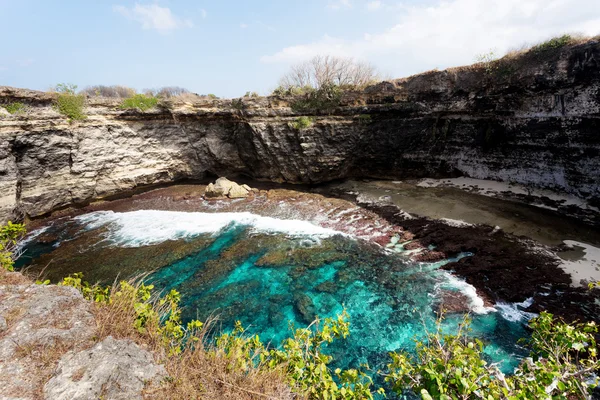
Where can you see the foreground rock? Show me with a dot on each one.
(112, 369)
(47, 348)
(38, 324)
(223, 187)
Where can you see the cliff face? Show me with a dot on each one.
(534, 119)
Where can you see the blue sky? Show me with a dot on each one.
(229, 47)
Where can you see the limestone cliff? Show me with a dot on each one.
(532, 119)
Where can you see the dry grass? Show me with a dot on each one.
(201, 371)
(207, 372)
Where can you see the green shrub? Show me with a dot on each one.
(15, 108)
(139, 102)
(301, 123)
(251, 95)
(554, 43)
(69, 103)
(9, 235)
(323, 99)
(212, 96)
(563, 359)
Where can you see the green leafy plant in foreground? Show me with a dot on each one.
(10, 234)
(139, 102)
(69, 103)
(563, 358)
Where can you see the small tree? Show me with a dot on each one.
(329, 71)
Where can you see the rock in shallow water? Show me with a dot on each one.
(112, 369)
(223, 187)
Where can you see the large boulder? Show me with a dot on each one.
(112, 369)
(223, 187)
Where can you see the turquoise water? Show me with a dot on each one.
(269, 280)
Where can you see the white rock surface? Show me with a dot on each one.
(40, 321)
(112, 369)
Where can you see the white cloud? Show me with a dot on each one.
(374, 5)
(203, 13)
(337, 4)
(153, 16)
(453, 32)
(243, 26)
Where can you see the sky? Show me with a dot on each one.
(230, 47)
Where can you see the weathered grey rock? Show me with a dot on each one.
(42, 322)
(4, 112)
(112, 369)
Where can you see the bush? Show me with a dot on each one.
(15, 108)
(10, 234)
(69, 103)
(139, 102)
(554, 43)
(324, 99)
(114, 91)
(563, 359)
(301, 123)
(251, 95)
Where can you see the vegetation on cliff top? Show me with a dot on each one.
(69, 103)
(139, 102)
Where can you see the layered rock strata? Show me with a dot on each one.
(533, 119)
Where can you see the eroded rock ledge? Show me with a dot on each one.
(535, 123)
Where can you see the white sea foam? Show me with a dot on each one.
(476, 303)
(31, 236)
(513, 311)
(146, 227)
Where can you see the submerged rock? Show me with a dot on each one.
(112, 369)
